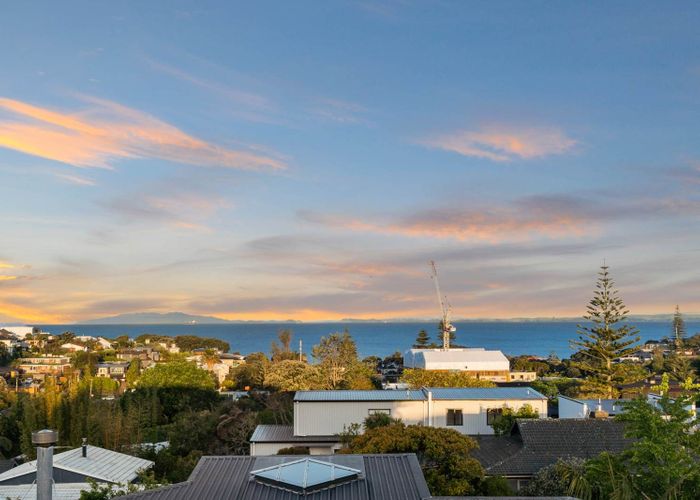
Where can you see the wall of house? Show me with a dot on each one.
(328, 418)
(474, 413)
(569, 408)
(267, 449)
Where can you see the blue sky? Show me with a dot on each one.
(273, 160)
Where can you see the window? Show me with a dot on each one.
(374, 411)
(491, 415)
(454, 417)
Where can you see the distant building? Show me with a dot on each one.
(478, 362)
(44, 365)
(320, 416)
(21, 331)
(113, 370)
(586, 408)
(71, 347)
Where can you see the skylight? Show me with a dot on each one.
(305, 475)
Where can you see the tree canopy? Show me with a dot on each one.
(176, 374)
(418, 378)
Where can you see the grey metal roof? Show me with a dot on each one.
(439, 393)
(480, 393)
(285, 434)
(410, 395)
(64, 491)
(383, 477)
(100, 464)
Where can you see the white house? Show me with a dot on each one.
(479, 362)
(21, 331)
(320, 416)
(68, 346)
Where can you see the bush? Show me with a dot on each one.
(503, 423)
(294, 450)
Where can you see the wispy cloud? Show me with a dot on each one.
(5, 265)
(75, 179)
(504, 143)
(338, 111)
(106, 131)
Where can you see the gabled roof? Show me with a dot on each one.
(285, 434)
(101, 464)
(483, 393)
(59, 491)
(410, 395)
(386, 477)
(545, 441)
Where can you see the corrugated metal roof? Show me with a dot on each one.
(479, 393)
(384, 477)
(450, 393)
(101, 464)
(65, 491)
(411, 395)
(285, 434)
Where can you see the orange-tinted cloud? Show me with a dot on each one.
(504, 143)
(108, 131)
(522, 220)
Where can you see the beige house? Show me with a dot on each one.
(44, 365)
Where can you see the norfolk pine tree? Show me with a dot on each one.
(678, 328)
(422, 340)
(607, 338)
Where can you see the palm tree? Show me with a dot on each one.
(210, 358)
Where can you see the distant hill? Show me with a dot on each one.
(147, 318)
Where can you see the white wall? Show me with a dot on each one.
(329, 418)
(569, 408)
(474, 413)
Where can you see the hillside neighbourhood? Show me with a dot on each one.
(184, 417)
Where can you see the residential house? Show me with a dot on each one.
(537, 443)
(320, 416)
(103, 343)
(80, 464)
(585, 408)
(21, 332)
(332, 477)
(71, 347)
(116, 371)
(44, 365)
(143, 353)
(478, 362)
(11, 342)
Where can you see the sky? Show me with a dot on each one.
(306, 160)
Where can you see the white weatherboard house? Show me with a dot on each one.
(320, 416)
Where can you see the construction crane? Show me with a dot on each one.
(445, 325)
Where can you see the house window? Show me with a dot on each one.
(491, 415)
(454, 417)
(374, 411)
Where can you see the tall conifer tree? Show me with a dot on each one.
(678, 328)
(422, 340)
(607, 337)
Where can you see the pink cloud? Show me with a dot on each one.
(107, 131)
(504, 143)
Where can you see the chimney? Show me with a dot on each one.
(84, 447)
(44, 441)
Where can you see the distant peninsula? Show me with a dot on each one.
(151, 318)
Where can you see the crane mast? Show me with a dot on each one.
(445, 325)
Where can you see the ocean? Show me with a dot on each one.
(539, 338)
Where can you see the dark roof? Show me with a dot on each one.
(228, 477)
(546, 440)
(285, 434)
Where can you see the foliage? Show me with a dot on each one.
(192, 342)
(283, 350)
(422, 340)
(418, 378)
(660, 463)
(504, 422)
(553, 480)
(442, 453)
(337, 358)
(133, 373)
(177, 374)
(294, 450)
(678, 328)
(290, 375)
(608, 337)
(86, 362)
(211, 358)
(251, 373)
(380, 420)
(528, 364)
(495, 486)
